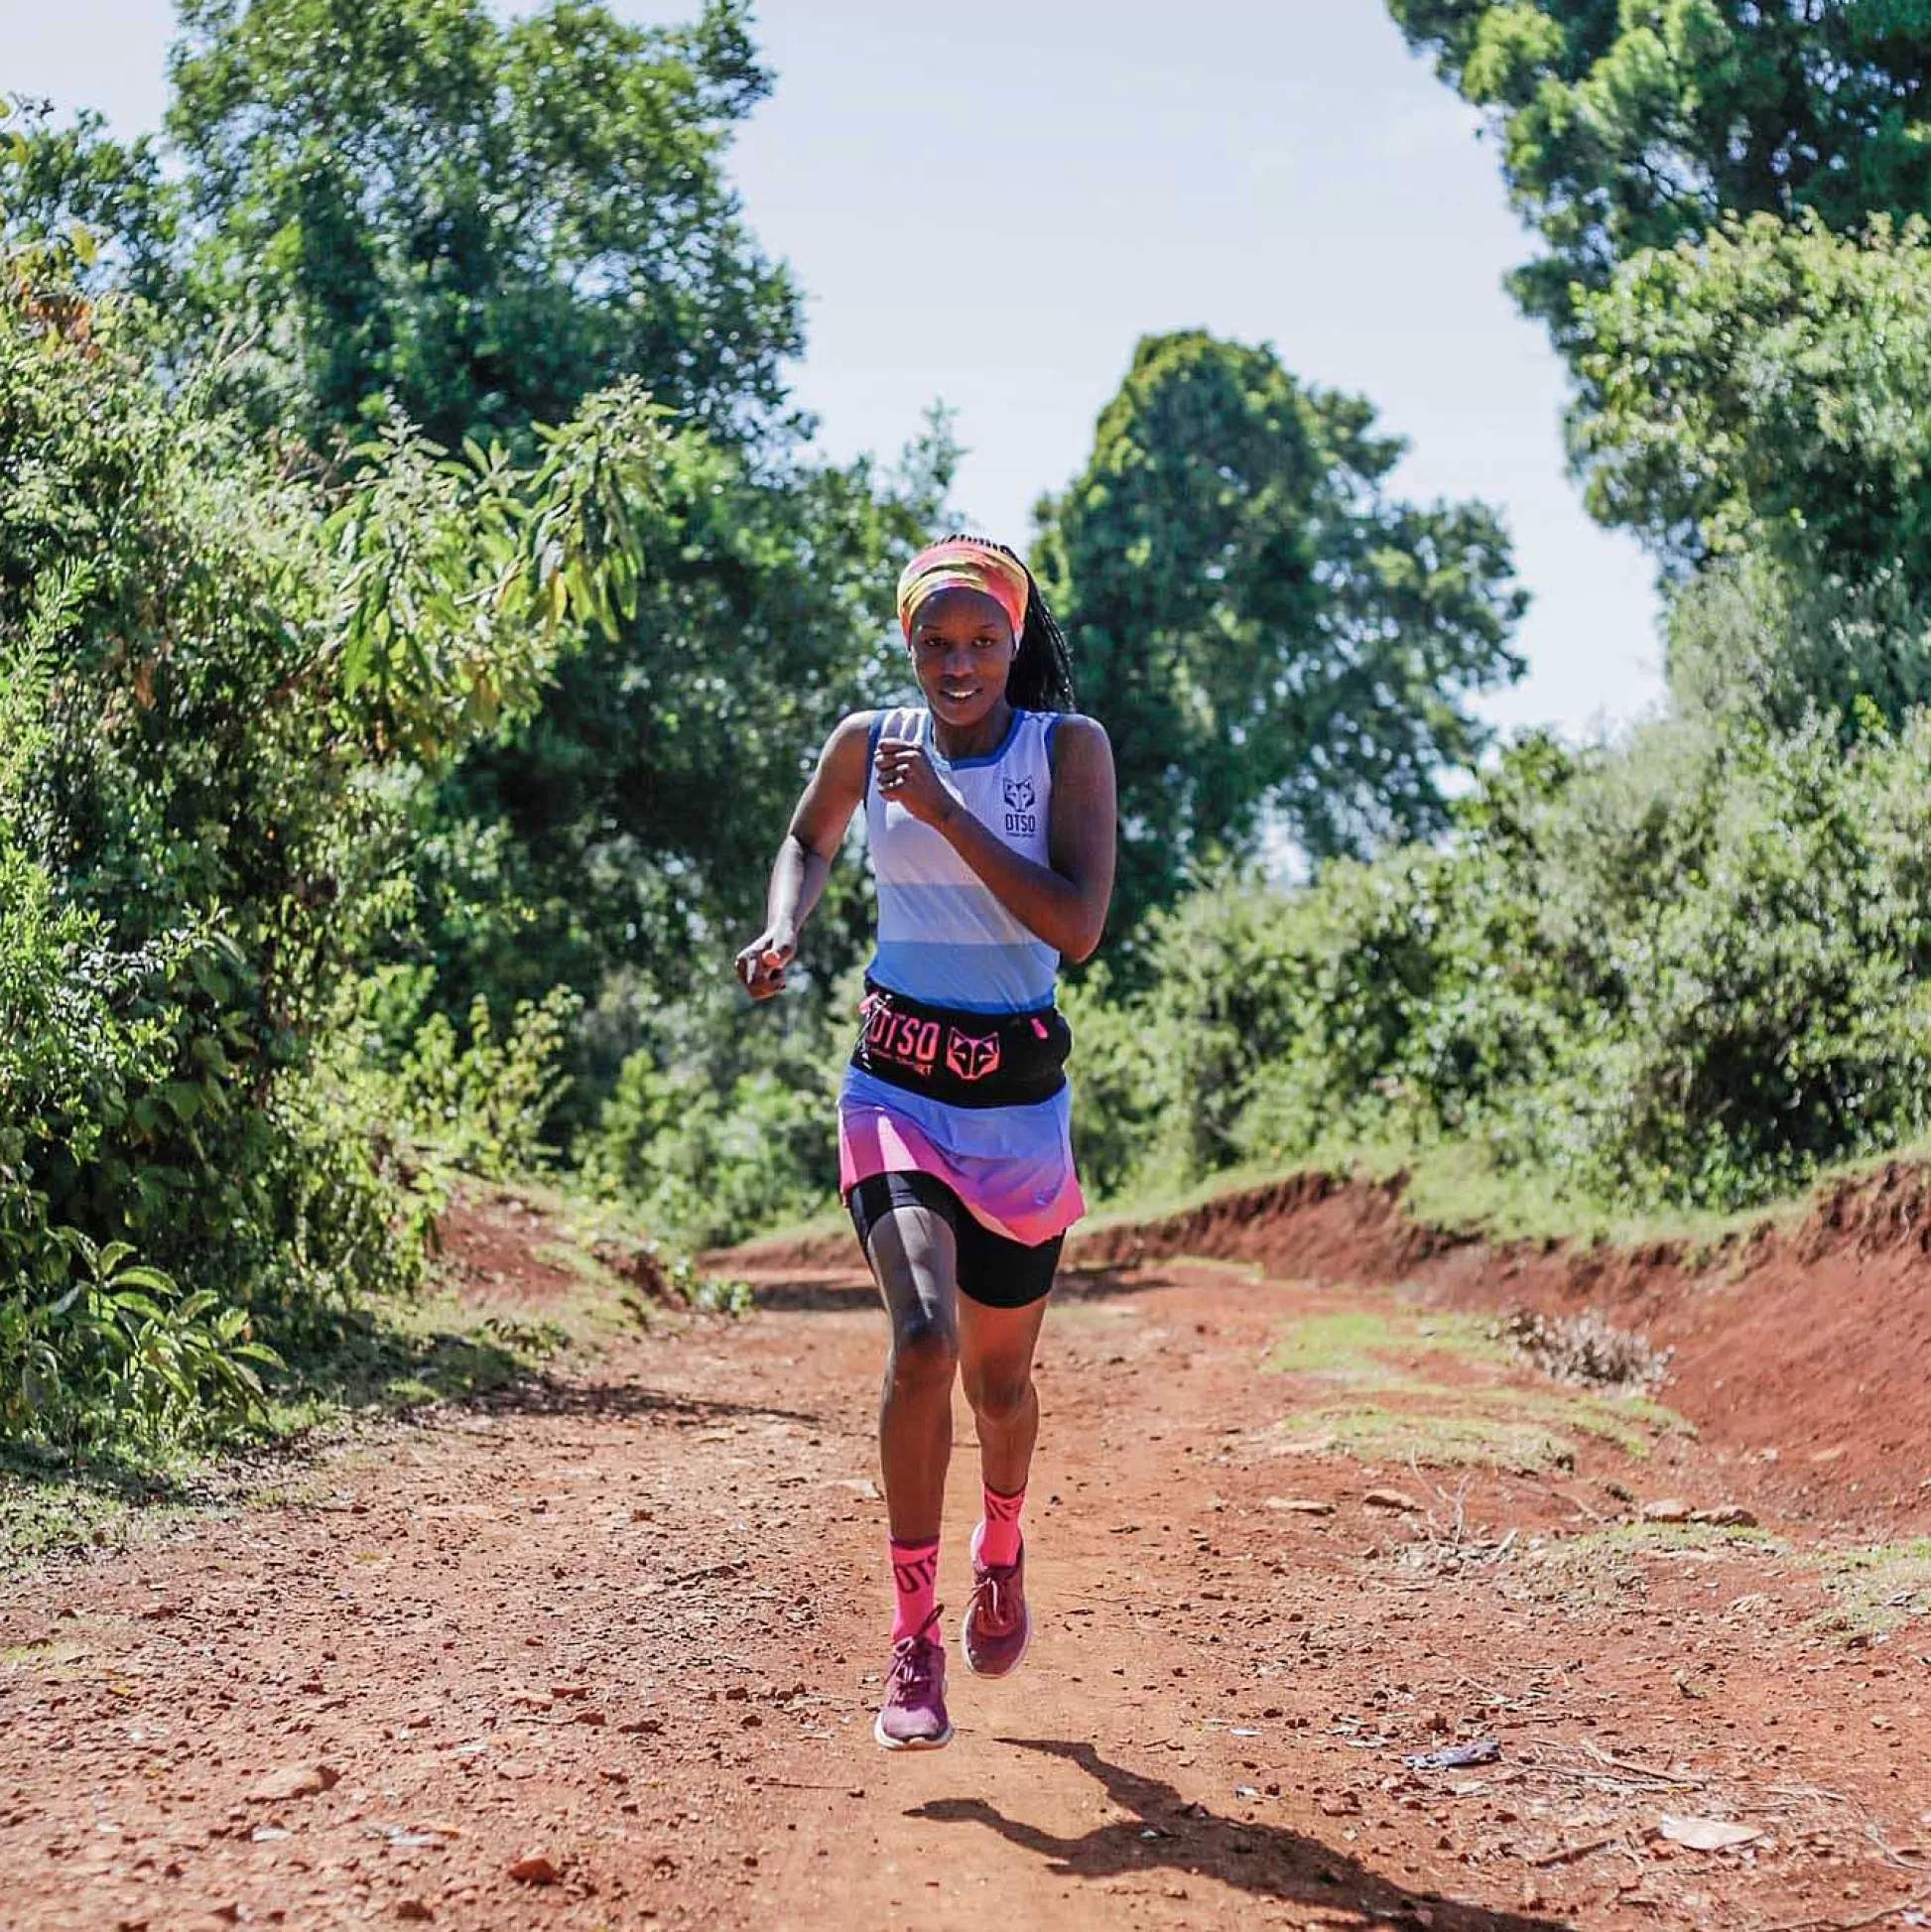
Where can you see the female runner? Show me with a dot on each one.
(991, 819)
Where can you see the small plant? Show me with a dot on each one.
(120, 1353)
(483, 1103)
(1876, 1590)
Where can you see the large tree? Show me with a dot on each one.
(628, 830)
(1272, 638)
(403, 203)
(484, 220)
(1757, 405)
(1627, 124)
(403, 198)
(1767, 389)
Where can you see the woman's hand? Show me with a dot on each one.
(907, 778)
(761, 966)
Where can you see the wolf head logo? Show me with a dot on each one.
(971, 1059)
(1019, 793)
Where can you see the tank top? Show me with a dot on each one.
(943, 936)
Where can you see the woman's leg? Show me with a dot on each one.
(995, 1359)
(914, 1260)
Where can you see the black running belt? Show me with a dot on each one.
(963, 1059)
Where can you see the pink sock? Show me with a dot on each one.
(915, 1583)
(998, 1535)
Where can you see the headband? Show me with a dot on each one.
(961, 563)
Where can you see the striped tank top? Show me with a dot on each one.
(943, 936)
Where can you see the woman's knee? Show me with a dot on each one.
(925, 1351)
(999, 1395)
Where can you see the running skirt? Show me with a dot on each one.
(977, 1101)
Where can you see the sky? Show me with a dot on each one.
(988, 205)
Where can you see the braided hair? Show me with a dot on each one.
(1041, 677)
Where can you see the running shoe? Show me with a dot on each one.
(997, 1627)
(914, 1713)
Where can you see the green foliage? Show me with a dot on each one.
(453, 578)
(1692, 971)
(1117, 1103)
(407, 212)
(483, 1103)
(625, 829)
(1629, 126)
(205, 693)
(77, 189)
(1752, 641)
(118, 1350)
(1271, 641)
(406, 199)
(714, 1131)
(1762, 390)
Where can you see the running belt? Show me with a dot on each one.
(959, 1057)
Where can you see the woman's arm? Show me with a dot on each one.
(1065, 901)
(804, 862)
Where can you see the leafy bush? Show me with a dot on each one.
(718, 1131)
(119, 1350)
(1691, 970)
(219, 670)
(483, 1104)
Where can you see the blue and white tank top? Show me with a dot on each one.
(943, 936)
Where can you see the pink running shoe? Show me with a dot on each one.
(914, 1713)
(997, 1628)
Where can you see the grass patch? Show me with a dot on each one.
(1389, 1350)
(1877, 1589)
(1634, 1423)
(1160, 1202)
(1353, 1345)
(1432, 1438)
(1456, 1185)
(1607, 1563)
(369, 1365)
(388, 1358)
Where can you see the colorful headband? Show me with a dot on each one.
(961, 563)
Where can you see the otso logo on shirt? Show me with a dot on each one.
(1021, 817)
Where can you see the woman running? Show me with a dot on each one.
(989, 812)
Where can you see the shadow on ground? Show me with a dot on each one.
(540, 1394)
(1167, 1833)
(813, 1295)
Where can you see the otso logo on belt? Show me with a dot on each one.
(971, 1059)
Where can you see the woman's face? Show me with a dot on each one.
(962, 647)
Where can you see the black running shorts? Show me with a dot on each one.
(994, 1269)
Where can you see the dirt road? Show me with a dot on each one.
(620, 1629)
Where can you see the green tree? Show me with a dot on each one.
(1629, 124)
(224, 665)
(1272, 638)
(1766, 388)
(400, 205)
(626, 831)
(365, 200)
(57, 179)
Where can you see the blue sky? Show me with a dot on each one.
(1279, 171)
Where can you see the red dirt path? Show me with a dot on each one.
(626, 1618)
